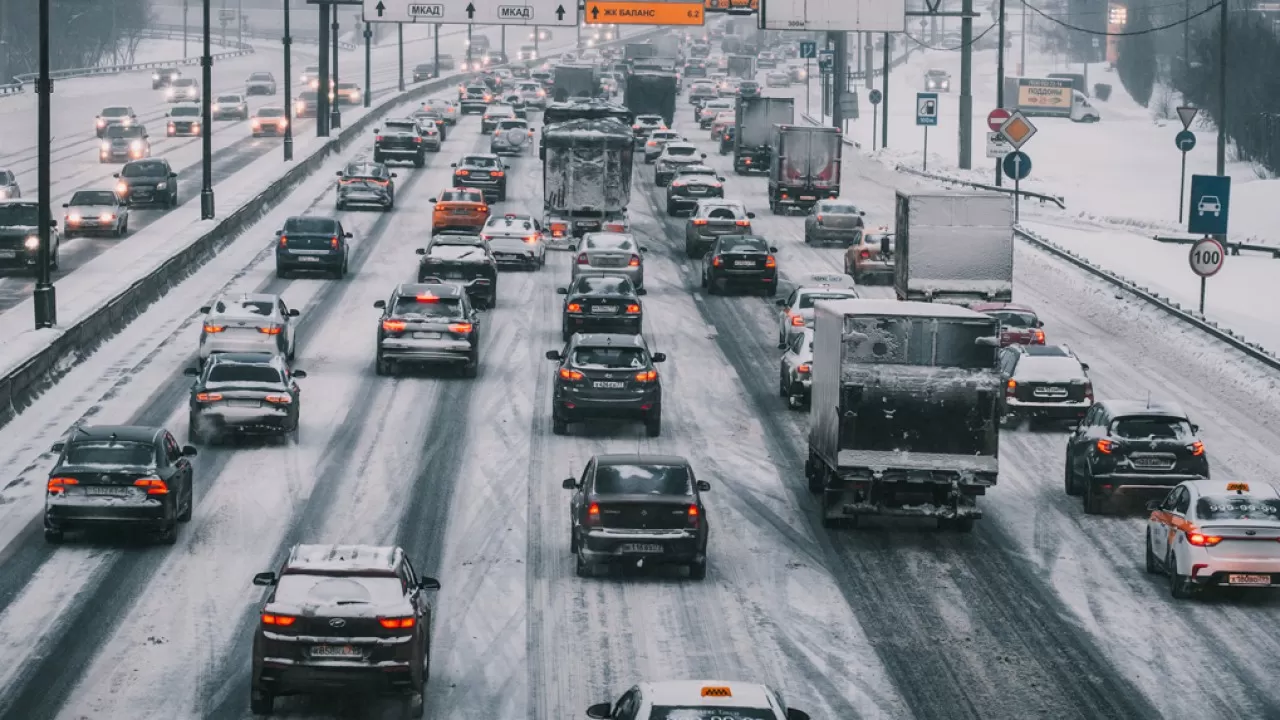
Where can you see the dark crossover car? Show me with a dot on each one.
(646, 124)
(423, 71)
(690, 184)
(1019, 325)
(833, 221)
(237, 394)
(641, 510)
(711, 219)
(306, 105)
(463, 259)
(749, 88)
(148, 182)
(119, 475)
(428, 323)
(486, 173)
(727, 136)
(115, 115)
(741, 261)
(399, 140)
(366, 183)
(475, 98)
(606, 376)
(184, 121)
(1044, 382)
(310, 243)
(675, 155)
(95, 212)
(164, 77)
(1132, 448)
(124, 142)
(350, 617)
(20, 235)
(601, 304)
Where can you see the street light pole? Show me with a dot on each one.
(184, 29)
(400, 41)
(288, 87)
(1222, 90)
(335, 113)
(435, 66)
(368, 63)
(322, 96)
(206, 122)
(46, 305)
(1000, 83)
(240, 22)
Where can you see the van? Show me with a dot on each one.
(1082, 110)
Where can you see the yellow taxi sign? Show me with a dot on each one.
(1238, 487)
(716, 691)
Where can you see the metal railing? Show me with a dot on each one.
(1232, 248)
(1058, 200)
(298, 35)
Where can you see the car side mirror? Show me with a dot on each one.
(553, 355)
(431, 200)
(189, 451)
(720, 178)
(704, 155)
(644, 249)
(1195, 429)
(569, 484)
(773, 248)
(780, 302)
(265, 578)
(659, 357)
(339, 173)
(1039, 323)
(205, 309)
(453, 165)
(300, 374)
(1084, 366)
(115, 175)
(293, 313)
(1153, 505)
(173, 174)
(191, 372)
(347, 235)
(862, 213)
(600, 710)
(380, 304)
(394, 175)
(704, 486)
(58, 447)
(562, 291)
(66, 204)
(421, 251)
(751, 216)
(573, 248)
(376, 131)
(428, 583)
(794, 714)
(641, 291)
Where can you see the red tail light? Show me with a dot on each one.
(699, 222)
(284, 241)
(207, 397)
(333, 242)
(582, 259)
(1202, 540)
(744, 223)
(633, 309)
(558, 229)
(574, 308)
(1011, 388)
(484, 208)
(647, 376)
(278, 620)
(770, 261)
(593, 514)
(154, 485)
(865, 254)
(803, 368)
(496, 173)
(463, 172)
(797, 321)
(58, 485)
(717, 261)
(693, 516)
(397, 623)
(417, 139)
(567, 374)
(1197, 448)
(461, 328)
(747, 161)
(1106, 447)
(279, 399)
(531, 239)
(1037, 337)
(378, 138)
(635, 261)
(393, 325)
(214, 328)
(269, 330)
(819, 218)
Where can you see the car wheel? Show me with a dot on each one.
(710, 284)
(808, 239)
(698, 570)
(168, 534)
(55, 261)
(377, 157)
(573, 542)
(417, 707)
(583, 568)
(53, 537)
(1069, 482)
(281, 272)
(559, 426)
(261, 702)
(70, 234)
(340, 206)
(381, 366)
(1180, 586)
(1092, 503)
(470, 369)
(185, 515)
(671, 209)
(502, 196)
(653, 424)
(1152, 566)
(420, 161)
(782, 382)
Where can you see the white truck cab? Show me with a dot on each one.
(1082, 110)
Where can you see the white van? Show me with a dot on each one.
(1081, 110)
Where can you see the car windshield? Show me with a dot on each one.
(270, 112)
(1152, 428)
(642, 480)
(427, 306)
(1237, 507)
(245, 308)
(185, 112)
(304, 589)
(184, 82)
(236, 373)
(603, 285)
(1014, 318)
(609, 242)
(115, 112)
(308, 96)
(144, 169)
(479, 161)
(422, 67)
(364, 170)
(347, 86)
(610, 357)
(310, 226)
(461, 196)
(94, 197)
(111, 453)
(120, 131)
(681, 150)
(260, 76)
(808, 300)
(478, 89)
(702, 712)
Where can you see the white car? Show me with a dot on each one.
(795, 312)
(701, 699)
(516, 239)
(795, 377)
(183, 90)
(1211, 533)
(251, 322)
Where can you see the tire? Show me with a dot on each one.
(961, 525)
(782, 383)
(471, 369)
(583, 568)
(1092, 503)
(1069, 482)
(653, 425)
(340, 206)
(281, 272)
(712, 288)
(381, 366)
(377, 156)
(53, 537)
(688, 250)
(502, 196)
(185, 515)
(698, 570)
(807, 239)
(261, 702)
(420, 161)
(168, 535)
(671, 209)
(1179, 585)
(559, 426)
(71, 234)
(417, 704)
(1152, 566)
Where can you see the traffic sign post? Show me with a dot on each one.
(808, 50)
(875, 97)
(826, 60)
(997, 149)
(1017, 165)
(926, 116)
(635, 12)
(563, 13)
(1186, 141)
(1206, 259)
(1210, 203)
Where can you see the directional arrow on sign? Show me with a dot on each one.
(560, 12)
(595, 12)
(380, 8)
(471, 11)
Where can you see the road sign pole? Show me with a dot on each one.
(368, 64)
(400, 57)
(875, 112)
(884, 92)
(322, 98)
(46, 306)
(1182, 187)
(1000, 81)
(435, 66)
(335, 109)
(1017, 188)
(1203, 284)
(288, 87)
(807, 91)
(206, 121)
(926, 148)
(966, 86)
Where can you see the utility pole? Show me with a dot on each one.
(46, 305)
(468, 68)
(884, 93)
(240, 22)
(1222, 89)
(504, 40)
(288, 87)
(966, 86)
(368, 64)
(335, 109)
(400, 46)
(535, 42)
(184, 26)
(870, 62)
(322, 82)
(1022, 62)
(1000, 83)
(435, 67)
(206, 123)
(839, 75)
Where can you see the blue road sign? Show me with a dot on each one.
(826, 58)
(1210, 201)
(1017, 165)
(1185, 140)
(875, 97)
(808, 50)
(926, 109)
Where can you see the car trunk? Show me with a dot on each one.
(1153, 454)
(113, 481)
(429, 327)
(451, 269)
(606, 307)
(644, 512)
(398, 141)
(243, 395)
(309, 244)
(1244, 539)
(609, 258)
(245, 329)
(743, 260)
(723, 226)
(838, 222)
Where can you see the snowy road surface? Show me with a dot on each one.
(1040, 612)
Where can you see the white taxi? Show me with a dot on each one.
(697, 700)
(1208, 533)
(795, 311)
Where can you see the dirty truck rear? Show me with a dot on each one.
(954, 247)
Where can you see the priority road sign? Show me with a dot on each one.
(1210, 202)
(563, 13)
(639, 12)
(1206, 257)
(927, 109)
(1186, 115)
(1017, 165)
(996, 118)
(1186, 140)
(808, 50)
(875, 97)
(1017, 129)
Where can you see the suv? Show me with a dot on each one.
(493, 114)
(164, 77)
(484, 172)
(260, 83)
(465, 260)
(399, 140)
(1132, 447)
(115, 115)
(342, 615)
(312, 243)
(711, 219)
(1044, 382)
(427, 323)
(606, 376)
(124, 143)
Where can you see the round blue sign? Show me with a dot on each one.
(1185, 140)
(1017, 165)
(875, 97)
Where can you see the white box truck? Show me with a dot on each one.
(954, 247)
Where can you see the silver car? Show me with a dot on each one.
(494, 114)
(251, 322)
(511, 137)
(795, 377)
(95, 211)
(515, 239)
(532, 94)
(183, 90)
(795, 312)
(709, 110)
(657, 141)
(674, 156)
(230, 107)
(260, 83)
(608, 253)
(834, 221)
(778, 79)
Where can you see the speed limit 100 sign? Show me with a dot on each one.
(1207, 257)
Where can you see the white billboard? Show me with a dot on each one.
(838, 15)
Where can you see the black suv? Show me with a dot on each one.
(119, 475)
(474, 98)
(1132, 448)
(348, 616)
(399, 140)
(484, 172)
(428, 324)
(243, 394)
(1044, 382)
(366, 183)
(463, 259)
(601, 303)
(690, 184)
(312, 244)
(638, 509)
(148, 182)
(164, 77)
(606, 376)
(744, 261)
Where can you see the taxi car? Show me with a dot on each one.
(516, 239)
(795, 312)
(795, 376)
(1019, 325)
(698, 700)
(871, 257)
(243, 394)
(247, 323)
(459, 208)
(428, 323)
(1210, 533)
(606, 376)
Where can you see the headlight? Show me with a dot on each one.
(162, 185)
(126, 122)
(74, 219)
(4, 193)
(106, 217)
(33, 242)
(136, 144)
(155, 76)
(216, 107)
(169, 92)
(106, 147)
(122, 188)
(102, 123)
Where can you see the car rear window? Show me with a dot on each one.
(1156, 428)
(663, 712)
(402, 125)
(228, 98)
(735, 243)
(1064, 368)
(231, 373)
(260, 76)
(722, 213)
(1014, 318)
(480, 162)
(610, 357)
(680, 150)
(603, 285)
(440, 307)
(808, 299)
(185, 112)
(1237, 507)
(184, 82)
(457, 196)
(24, 214)
(305, 225)
(111, 453)
(310, 590)
(93, 197)
(245, 308)
(609, 242)
(642, 480)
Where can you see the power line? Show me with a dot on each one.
(961, 46)
(1087, 31)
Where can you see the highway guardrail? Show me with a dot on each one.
(21, 81)
(1058, 200)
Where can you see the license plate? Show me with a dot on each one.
(609, 384)
(336, 651)
(1050, 392)
(1255, 580)
(744, 263)
(308, 258)
(8, 253)
(604, 310)
(109, 491)
(808, 197)
(461, 212)
(640, 548)
(454, 276)
(244, 403)
(1152, 463)
(697, 190)
(426, 336)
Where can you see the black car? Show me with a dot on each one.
(19, 235)
(744, 261)
(484, 172)
(148, 182)
(399, 140)
(423, 71)
(164, 77)
(307, 105)
(474, 98)
(428, 323)
(601, 304)
(638, 509)
(606, 376)
(1132, 448)
(495, 57)
(690, 184)
(310, 243)
(366, 183)
(1044, 382)
(119, 475)
(238, 394)
(463, 259)
(352, 617)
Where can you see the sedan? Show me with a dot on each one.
(780, 79)
(871, 257)
(151, 181)
(118, 115)
(833, 221)
(741, 261)
(230, 107)
(239, 394)
(674, 156)
(268, 121)
(247, 323)
(601, 303)
(516, 239)
(95, 211)
(657, 141)
(609, 253)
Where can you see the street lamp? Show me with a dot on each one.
(335, 114)
(46, 305)
(206, 120)
(288, 87)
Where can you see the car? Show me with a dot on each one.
(354, 617)
(431, 132)
(307, 104)
(706, 114)
(795, 376)
(871, 257)
(675, 155)
(1209, 533)
(692, 699)
(728, 87)
(111, 116)
(711, 218)
(798, 73)
(601, 304)
(766, 60)
(727, 137)
(700, 50)
(478, 43)
(474, 98)
(657, 140)
(317, 244)
(243, 394)
(268, 120)
(695, 69)
(20, 235)
(527, 53)
(349, 93)
(183, 90)
(459, 208)
(9, 187)
(748, 88)
(609, 86)
(834, 221)
(516, 239)
(484, 172)
(435, 120)
(691, 184)
(132, 476)
(646, 124)
(1044, 383)
(399, 140)
(606, 376)
(494, 58)
(260, 83)
(796, 311)
(310, 76)
(447, 109)
(1209, 204)
(147, 182)
(740, 261)
(532, 94)
(518, 108)
(701, 91)
(447, 61)
(937, 80)
(1132, 448)
(121, 143)
(366, 183)
(540, 33)
(542, 77)
(1019, 324)
(247, 323)
(463, 259)
(184, 120)
(721, 121)
(164, 77)
(230, 107)
(609, 253)
(428, 323)
(424, 71)
(495, 113)
(95, 211)
(511, 137)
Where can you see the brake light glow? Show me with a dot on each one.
(1037, 337)
(278, 620)
(378, 138)
(463, 172)
(208, 397)
(567, 374)
(1197, 448)
(747, 161)
(1106, 447)
(284, 241)
(803, 368)
(214, 328)
(699, 222)
(58, 485)
(652, 143)
(582, 259)
(496, 173)
(154, 485)
(635, 261)
(797, 321)
(593, 514)
(462, 327)
(574, 308)
(770, 261)
(394, 325)
(633, 309)
(333, 242)
(819, 218)
(1011, 388)
(1202, 540)
(269, 330)
(396, 623)
(417, 139)
(744, 223)
(647, 376)
(427, 298)
(279, 399)
(865, 254)
(717, 261)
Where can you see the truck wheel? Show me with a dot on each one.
(960, 524)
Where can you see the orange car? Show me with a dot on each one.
(459, 208)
